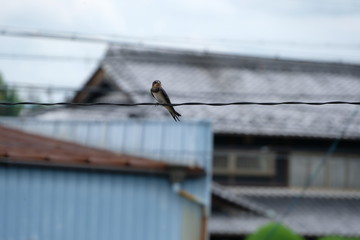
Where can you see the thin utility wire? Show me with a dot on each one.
(55, 58)
(114, 38)
(37, 57)
(21, 86)
(178, 104)
(296, 199)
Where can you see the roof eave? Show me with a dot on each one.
(190, 173)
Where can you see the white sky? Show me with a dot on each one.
(322, 30)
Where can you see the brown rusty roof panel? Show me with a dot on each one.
(27, 148)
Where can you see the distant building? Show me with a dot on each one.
(56, 189)
(238, 211)
(257, 146)
(254, 145)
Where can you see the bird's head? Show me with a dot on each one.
(156, 84)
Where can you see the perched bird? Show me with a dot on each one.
(161, 96)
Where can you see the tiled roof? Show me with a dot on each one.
(224, 193)
(317, 213)
(25, 148)
(209, 77)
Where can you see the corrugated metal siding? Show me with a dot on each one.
(191, 218)
(48, 203)
(43, 204)
(186, 143)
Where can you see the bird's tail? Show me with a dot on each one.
(175, 115)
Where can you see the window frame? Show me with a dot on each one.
(266, 161)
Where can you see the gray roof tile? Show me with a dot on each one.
(209, 77)
(317, 213)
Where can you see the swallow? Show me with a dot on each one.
(161, 97)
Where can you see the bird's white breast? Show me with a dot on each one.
(159, 97)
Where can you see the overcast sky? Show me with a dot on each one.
(321, 30)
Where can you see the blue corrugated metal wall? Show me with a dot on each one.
(48, 203)
(66, 204)
(184, 142)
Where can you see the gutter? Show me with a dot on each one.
(177, 175)
(204, 217)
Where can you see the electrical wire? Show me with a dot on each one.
(178, 104)
(21, 86)
(267, 47)
(124, 39)
(13, 56)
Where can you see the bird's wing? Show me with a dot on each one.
(152, 93)
(165, 95)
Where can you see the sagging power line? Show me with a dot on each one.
(178, 104)
(37, 57)
(124, 39)
(20, 86)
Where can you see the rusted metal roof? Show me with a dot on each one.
(26, 148)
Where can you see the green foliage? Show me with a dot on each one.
(337, 238)
(274, 231)
(8, 95)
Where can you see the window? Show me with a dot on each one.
(247, 162)
(221, 161)
(244, 163)
(338, 172)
